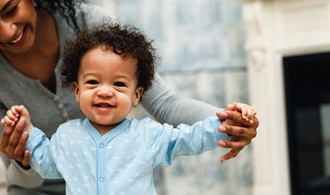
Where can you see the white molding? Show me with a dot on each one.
(275, 29)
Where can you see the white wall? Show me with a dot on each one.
(277, 29)
(108, 4)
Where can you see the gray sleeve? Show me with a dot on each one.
(167, 107)
(18, 176)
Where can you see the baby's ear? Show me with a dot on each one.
(76, 91)
(138, 94)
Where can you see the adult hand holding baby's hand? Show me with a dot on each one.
(243, 129)
(14, 137)
(13, 141)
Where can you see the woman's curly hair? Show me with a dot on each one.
(126, 41)
(65, 7)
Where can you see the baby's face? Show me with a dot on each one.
(107, 87)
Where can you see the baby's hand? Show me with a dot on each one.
(12, 117)
(248, 112)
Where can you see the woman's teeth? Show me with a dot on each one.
(18, 38)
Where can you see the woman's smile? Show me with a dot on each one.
(19, 40)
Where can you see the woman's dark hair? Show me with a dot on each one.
(65, 7)
(126, 41)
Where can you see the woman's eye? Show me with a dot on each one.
(11, 11)
(92, 82)
(119, 84)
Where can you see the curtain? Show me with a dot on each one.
(201, 49)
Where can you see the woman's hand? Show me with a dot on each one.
(243, 132)
(13, 141)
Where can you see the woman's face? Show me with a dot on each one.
(18, 19)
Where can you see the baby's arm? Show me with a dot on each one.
(13, 116)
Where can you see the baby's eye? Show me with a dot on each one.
(92, 82)
(119, 84)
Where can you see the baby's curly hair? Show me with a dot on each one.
(126, 41)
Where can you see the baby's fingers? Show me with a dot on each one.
(11, 117)
(3, 122)
(244, 109)
(7, 121)
(251, 112)
(12, 114)
(15, 111)
(248, 112)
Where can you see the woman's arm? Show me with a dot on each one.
(167, 107)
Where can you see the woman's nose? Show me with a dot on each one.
(7, 30)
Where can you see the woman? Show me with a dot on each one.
(32, 35)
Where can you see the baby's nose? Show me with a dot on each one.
(105, 92)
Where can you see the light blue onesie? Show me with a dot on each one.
(122, 160)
